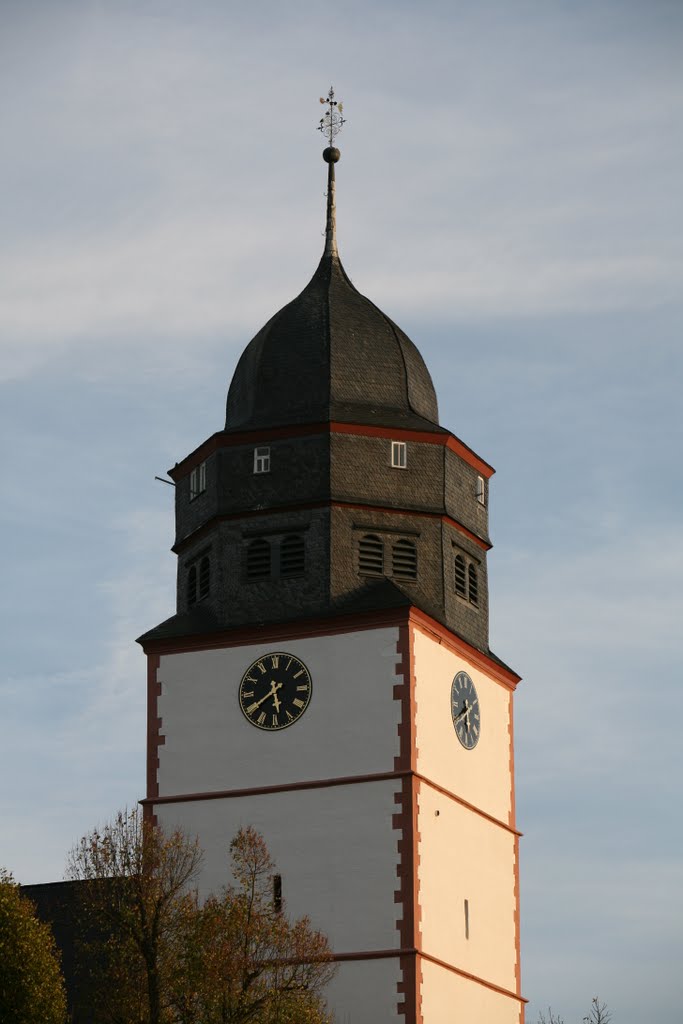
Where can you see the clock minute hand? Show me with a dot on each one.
(274, 687)
(271, 693)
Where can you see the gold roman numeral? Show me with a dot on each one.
(275, 660)
(251, 709)
(298, 703)
(261, 718)
(261, 667)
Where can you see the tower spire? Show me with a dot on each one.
(330, 126)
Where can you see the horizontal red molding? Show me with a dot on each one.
(283, 787)
(344, 780)
(472, 977)
(386, 954)
(332, 625)
(206, 527)
(222, 439)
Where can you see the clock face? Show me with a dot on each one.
(465, 710)
(275, 691)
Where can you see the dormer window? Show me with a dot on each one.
(262, 460)
(399, 454)
(481, 490)
(197, 481)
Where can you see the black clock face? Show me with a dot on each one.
(275, 691)
(465, 710)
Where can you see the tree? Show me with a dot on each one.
(136, 881)
(157, 955)
(31, 983)
(243, 960)
(599, 1014)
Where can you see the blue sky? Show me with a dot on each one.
(509, 192)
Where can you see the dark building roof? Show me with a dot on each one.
(331, 354)
(327, 387)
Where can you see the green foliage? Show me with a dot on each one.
(31, 983)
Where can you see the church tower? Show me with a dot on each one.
(327, 676)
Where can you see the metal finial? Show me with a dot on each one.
(331, 124)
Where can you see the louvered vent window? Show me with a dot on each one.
(292, 556)
(371, 555)
(460, 576)
(192, 585)
(404, 560)
(258, 560)
(204, 577)
(474, 585)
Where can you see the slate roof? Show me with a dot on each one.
(331, 354)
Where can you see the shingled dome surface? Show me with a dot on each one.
(331, 354)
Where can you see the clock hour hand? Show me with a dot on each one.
(276, 701)
(271, 693)
(464, 713)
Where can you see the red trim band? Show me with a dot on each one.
(221, 439)
(331, 626)
(206, 527)
(344, 780)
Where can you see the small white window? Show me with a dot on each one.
(481, 490)
(399, 457)
(262, 460)
(198, 481)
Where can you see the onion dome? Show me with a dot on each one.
(331, 354)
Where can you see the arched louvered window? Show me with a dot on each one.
(473, 585)
(460, 576)
(258, 560)
(204, 577)
(192, 585)
(292, 555)
(371, 555)
(404, 560)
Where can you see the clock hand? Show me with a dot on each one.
(276, 701)
(271, 693)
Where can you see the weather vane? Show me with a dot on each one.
(331, 124)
